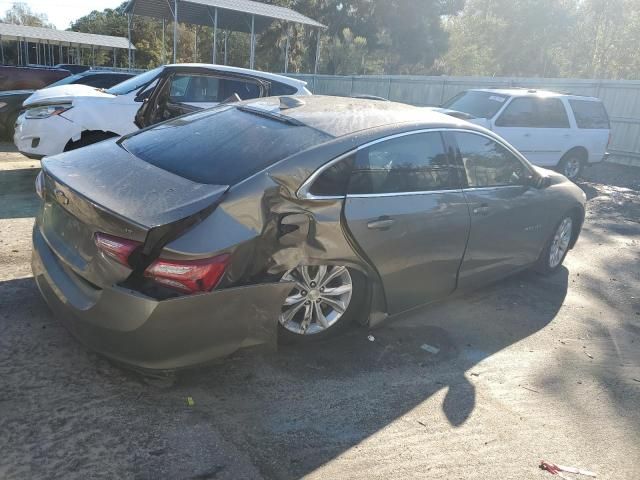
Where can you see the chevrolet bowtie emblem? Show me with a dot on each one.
(61, 197)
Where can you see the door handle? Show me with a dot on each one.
(527, 135)
(382, 223)
(483, 209)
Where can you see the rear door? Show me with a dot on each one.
(507, 215)
(538, 127)
(407, 212)
(179, 93)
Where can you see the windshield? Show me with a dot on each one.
(135, 83)
(66, 80)
(478, 104)
(221, 146)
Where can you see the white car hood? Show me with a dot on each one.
(64, 93)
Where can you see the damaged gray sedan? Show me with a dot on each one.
(284, 219)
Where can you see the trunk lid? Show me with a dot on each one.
(103, 188)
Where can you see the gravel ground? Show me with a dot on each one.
(531, 368)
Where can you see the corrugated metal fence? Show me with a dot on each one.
(622, 98)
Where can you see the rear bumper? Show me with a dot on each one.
(157, 335)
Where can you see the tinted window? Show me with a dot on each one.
(590, 114)
(194, 89)
(478, 104)
(220, 146)
(246, 90)
(334, 180)
(532, 112)
(487, 163)
(278, 89)
(413, 163)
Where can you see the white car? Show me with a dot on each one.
(567, 132)
(64, 118)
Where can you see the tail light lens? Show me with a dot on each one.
(188, 276)
(115, 247)
(40, 185)
(192, 276)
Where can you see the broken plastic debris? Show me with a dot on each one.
(554, 469)
(190, 401)
(371, 338)
(429, 348)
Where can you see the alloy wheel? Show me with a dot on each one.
(319, 299)
(572, 167)
(560, 243)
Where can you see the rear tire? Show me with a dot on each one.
(310, 305)
(557, 247)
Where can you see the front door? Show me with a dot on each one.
(507, 215)
(407, 212)
(179, 93)
(538, 127)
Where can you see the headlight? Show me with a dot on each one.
(46, 111)
(2, 105)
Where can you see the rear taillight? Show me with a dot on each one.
(192, 276)
(187, 276)
(40, 185)
(115, 247)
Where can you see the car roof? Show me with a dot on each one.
(340, 116)
(244, 71)
(531, 92)
(86, 73)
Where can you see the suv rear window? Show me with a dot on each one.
(220, 146)
(590, 114)
(478, 104)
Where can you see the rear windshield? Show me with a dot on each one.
(221, 146)
(477, 104)
(590, 114)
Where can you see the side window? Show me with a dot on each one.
(590, 114)
(179, 84)
(278, 89)
(246, 90)
(487, 163)
(530, 112)
(520, 112)
(412, 163)
(334, 180)
(551, 113)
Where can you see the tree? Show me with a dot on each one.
(509, 37)
(21, 14)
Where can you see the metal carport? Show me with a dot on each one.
(47, 39)
(235, 15)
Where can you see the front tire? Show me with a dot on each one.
(571, 166)
(324, 301)
(557, 247)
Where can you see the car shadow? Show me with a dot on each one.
(328, 397)
(18, 198)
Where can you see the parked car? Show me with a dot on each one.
(73, 67)
(32, 78)
(65, 118)
(285, 218)
(567, 132)
(11, 100)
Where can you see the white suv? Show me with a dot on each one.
(64, 118)
(555, 130)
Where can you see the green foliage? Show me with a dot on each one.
(572, 38)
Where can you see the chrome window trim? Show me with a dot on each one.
(303, 191)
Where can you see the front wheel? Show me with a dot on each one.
(557, 247)
(571, 166)
(324, 300)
